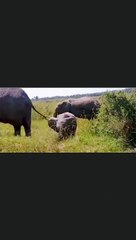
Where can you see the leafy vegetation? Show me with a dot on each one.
(117, 117)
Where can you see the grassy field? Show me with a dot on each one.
(45, 140)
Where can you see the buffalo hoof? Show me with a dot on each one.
(17, 134)
(28, 134)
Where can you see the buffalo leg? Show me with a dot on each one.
(27, 127)
(17, 130)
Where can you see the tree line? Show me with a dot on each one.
(36, 98)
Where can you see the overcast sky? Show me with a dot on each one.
(50, 92)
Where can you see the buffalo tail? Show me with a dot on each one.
(39, 112)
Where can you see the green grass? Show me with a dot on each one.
(47, 108)
(45, 140)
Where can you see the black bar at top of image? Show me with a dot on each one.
(57, 82)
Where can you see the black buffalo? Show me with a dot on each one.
(15, 109)
(84, 107)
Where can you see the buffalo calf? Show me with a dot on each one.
(65, 125)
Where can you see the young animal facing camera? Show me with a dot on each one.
(65, 125)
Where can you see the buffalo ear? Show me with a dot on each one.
(67, 104)
(64, 103)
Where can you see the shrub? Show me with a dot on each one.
(117, 116)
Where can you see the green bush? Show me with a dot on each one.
(117, 116)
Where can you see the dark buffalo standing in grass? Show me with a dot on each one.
(84, 107)
(65, 124)
(15, 109)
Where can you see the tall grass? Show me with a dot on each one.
(45, 140)
(89, 137)
(47, 108)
